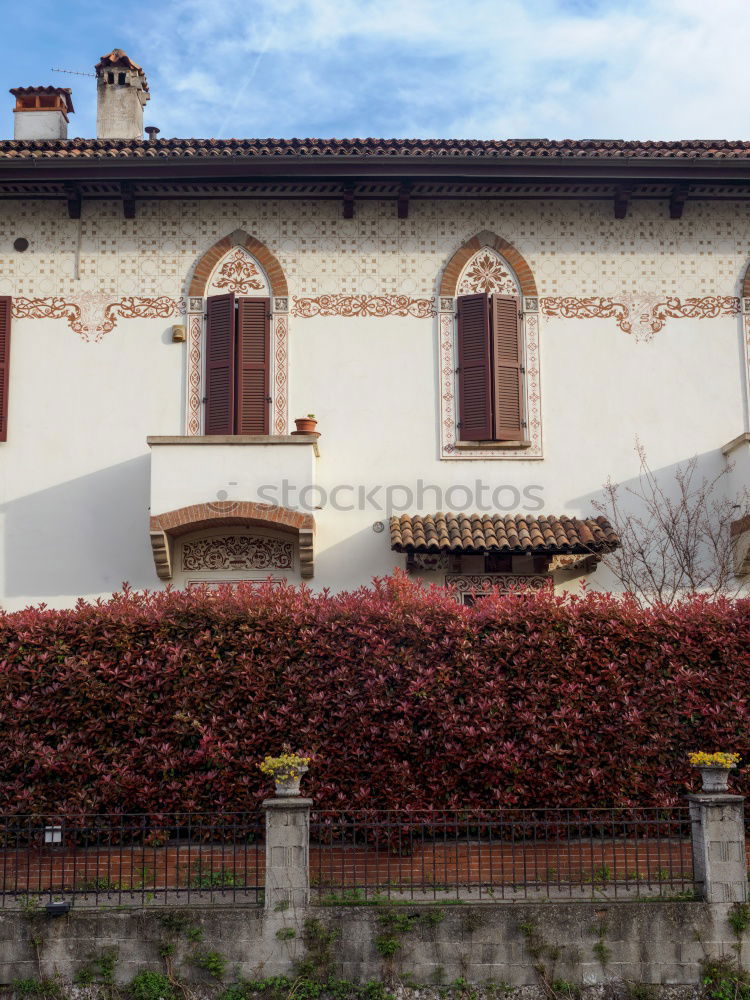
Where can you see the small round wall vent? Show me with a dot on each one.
(21, 244)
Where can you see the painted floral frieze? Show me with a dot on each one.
(239, 274)
(92, 315)
(644, 315)
(487, 272)
(363, 305)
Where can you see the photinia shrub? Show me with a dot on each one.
(161, 702)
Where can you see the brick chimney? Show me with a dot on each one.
(121, 93)
(41, 112)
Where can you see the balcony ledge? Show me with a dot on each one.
(743, 438)
(246, 439)
(191, 487)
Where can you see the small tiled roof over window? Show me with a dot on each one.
(517, 534)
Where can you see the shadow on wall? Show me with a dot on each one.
(709, 465)
(82, 537)
(358, 556)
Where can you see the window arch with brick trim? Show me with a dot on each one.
(238, 264)
(489, 269)
(167, 526)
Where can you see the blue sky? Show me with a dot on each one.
(450, 68)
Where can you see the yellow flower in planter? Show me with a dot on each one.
(284, 767)
(702, 759)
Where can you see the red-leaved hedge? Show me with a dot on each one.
(168, 701)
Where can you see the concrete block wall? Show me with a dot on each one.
(650, 942)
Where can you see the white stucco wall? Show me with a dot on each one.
(75, 473)
(184, 474)
(39, 125)
(600, 392)
(75, 469)
(737, 455)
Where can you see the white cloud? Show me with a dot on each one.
(479, 68)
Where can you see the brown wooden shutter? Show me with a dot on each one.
(220, 364)
(474, 369)
(253, 365)
(4, 364)
(507, 368)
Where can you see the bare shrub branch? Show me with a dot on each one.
(674, 535)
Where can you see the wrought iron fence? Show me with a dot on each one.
(500, 854)
(354, 857)
(132, 860)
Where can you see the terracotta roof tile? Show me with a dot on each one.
(510, 533)
(556, 150)
(117, 57)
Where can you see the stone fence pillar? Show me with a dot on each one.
(287, 852)
(718, 833)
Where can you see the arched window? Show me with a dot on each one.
(237, 373)
(489, 354)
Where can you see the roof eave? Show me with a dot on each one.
(445, 168)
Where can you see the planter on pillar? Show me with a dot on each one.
(287, 831)
(717, 821)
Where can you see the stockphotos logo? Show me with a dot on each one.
(395, 498)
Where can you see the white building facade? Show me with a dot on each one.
(339, 271)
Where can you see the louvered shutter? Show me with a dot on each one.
(220, 365)
(507, 368)
(474, 369)
(4, 364)
(253, 365)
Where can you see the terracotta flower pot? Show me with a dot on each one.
(306, 425)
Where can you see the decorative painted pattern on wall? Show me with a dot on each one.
(483, 583)
(643, 316)
(746, 337)
(487, 272)
(644, 269)
(92, 315)
(237, 552)
(574, 248)
(195, 336)
(363, 305)
(281, 372)
(239, 273)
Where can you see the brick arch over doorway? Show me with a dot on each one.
(239, 238)
(164, 528)
(463, 255)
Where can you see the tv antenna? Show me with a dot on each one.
(73, 72)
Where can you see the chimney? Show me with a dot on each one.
(121, 93)
(41, 112)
